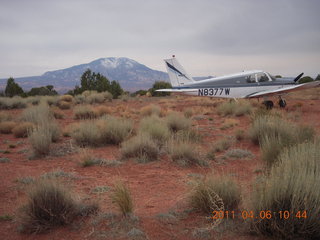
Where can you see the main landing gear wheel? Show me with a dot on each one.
(282, 103)
(268, 104)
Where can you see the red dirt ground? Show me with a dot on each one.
(158, 187)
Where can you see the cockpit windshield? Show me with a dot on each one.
(272, 77)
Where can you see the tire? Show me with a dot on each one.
(268, 104)
(282, 103)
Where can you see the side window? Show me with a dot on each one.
(262, 77)
(251, 78)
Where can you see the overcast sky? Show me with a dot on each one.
(209, 37)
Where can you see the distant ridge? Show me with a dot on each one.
(129, 73)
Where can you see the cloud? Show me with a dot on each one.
(39, 36)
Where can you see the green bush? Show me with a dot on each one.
(290, 186)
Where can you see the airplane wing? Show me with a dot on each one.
(176, 90)
(285, 89)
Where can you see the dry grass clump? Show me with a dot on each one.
(12, 103)
(121, 196)
(275, 134)
(266, 125)
(64, 105)
(101, 110)
(234, 108)
(150, 110)
(188, 112)
(114, 130)
(224, 186)
(107, 130)
(40, 138)
(238, 153)
(176, 122)
(49, 205)
(22, 130)
(92, 97)
(290, 187)
(140, 147)
(5, 117)
(205, 199)
(185, 154)
(37, 114)
(222, 144)
(84, 112)
(87, 158)
(229, 123)
(156, 128)
(86, 134)
(7, 126)
(66, 98)
(272, 145)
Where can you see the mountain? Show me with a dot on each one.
(130, 74)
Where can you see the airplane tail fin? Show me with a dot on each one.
(178, 76)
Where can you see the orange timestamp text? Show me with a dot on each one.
(265, 214)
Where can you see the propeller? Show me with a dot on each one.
(298, 77)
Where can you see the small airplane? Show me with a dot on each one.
(246, 84)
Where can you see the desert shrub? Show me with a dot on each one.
(290, 187)
(79, 99)
(49, 205)
(37, 114)
(107, 96)
(239, 134)
(204, 198)
(226, 188)
(270, 125)
(184, 154)
(34, 100)
(222, 144)
(238, 153)
(114, 130)
(7, 126)
(40, 138)
(155, 128)
(150, 110)
(87, 158)
(66, 98)
(188, 135)
(100, 111)
(22, 130)
(234, 108)
(83, 112)
(64, 105)
(176, 122)
(188, 112)
(141, 147)
(121, 196)
(12, 103)
(273, 145)
(95, 98)
(57, 113)
(86, 134)
(5, 117)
